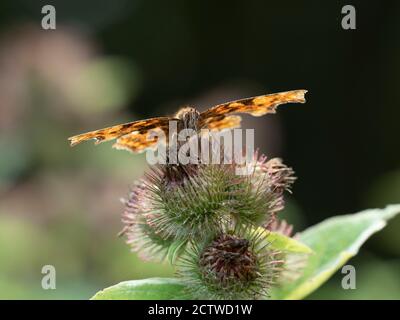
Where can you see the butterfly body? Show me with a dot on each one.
(188, 118)
(134, 136)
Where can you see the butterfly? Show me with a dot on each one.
(134, 136)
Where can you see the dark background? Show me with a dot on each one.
(343, 143)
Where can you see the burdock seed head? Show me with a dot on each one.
(181, 203)
(233, 265)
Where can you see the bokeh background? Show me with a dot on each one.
(114, 61)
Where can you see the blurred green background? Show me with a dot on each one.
(114, 61)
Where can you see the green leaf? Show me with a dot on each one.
(334, 242)
(283, 243)
(146, 289)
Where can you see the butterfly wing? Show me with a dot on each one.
(141, 127)
(221, 122)
(137, 142)
(133, 136)
(217, 116)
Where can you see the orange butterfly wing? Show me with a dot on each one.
(216, 117)
(138, 142)
(126, 130)
(222, 122)
(134, 136)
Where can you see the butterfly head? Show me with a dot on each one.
(189, 118)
